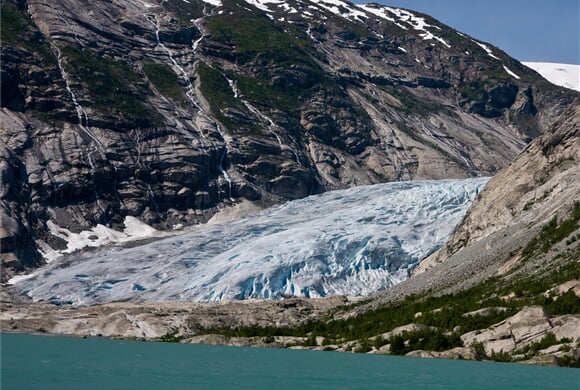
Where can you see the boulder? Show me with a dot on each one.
(528, 325)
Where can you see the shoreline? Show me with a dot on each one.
(208, 324)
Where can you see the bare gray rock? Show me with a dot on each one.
(529, 325)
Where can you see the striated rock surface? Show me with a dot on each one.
(528, 325)
(169, 111)
(542, 183)
(501, 231)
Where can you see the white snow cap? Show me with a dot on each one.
(564, 75)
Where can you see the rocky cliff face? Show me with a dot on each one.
(541, 184)
(169, 111)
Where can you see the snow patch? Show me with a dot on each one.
(486, 48)
(508, 71)
(340, 8)
(564, 75)
(402, 17)
(261, 4)
(98, 236)
(215, 3)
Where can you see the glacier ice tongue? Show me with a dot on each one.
(352, 242)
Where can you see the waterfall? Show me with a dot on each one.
(262, 117)
(83, 120)
(191, 93)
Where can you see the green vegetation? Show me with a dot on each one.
(184, 11)
(282, 64)
(18, 29)
(496, 73)
(412, 104)
(447, 314)
(552, 234)
(261, 90)
(166, 81)
(474, 91)
(428, 340)
(112, 85)
(216, 89)
(532, 349)
(171, 337)
(500, 356)
(255, 37)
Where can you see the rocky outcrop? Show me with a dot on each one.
(171, 111)
(152, 321)
(542, 183)
(501, 232)
(528, 326)
(459, 353)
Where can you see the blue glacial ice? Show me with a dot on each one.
(349, 242)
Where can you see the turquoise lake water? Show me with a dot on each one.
(50, 362)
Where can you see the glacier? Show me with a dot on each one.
(348, 242)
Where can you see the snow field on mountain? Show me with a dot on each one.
(351, 242)
(564, 75)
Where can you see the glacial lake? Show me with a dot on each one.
(52, 362)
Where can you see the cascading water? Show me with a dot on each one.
(83, 119)
(190, 92)
(261, 116)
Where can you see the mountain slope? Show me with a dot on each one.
(511, 227)
(169, 111)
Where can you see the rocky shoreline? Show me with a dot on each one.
(531, 336)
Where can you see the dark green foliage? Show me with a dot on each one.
(328, 341)
(184, 11)
(412, 104)
(552, 233)
(216, 89)
(446, 312)
(166, 81)
(532, 349)
(397, 344)
(569, 361)
(114, 87)
(18, 29)
(500, 356)
(310, 341)
(474, 91)
(364, 346)
(261, 91)
(497, 72)
(254, 35)
(451, 308)
(379, 342)
(568, 303)
(479, 349)
(171, 337)
(281, 66)
(428, 339)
